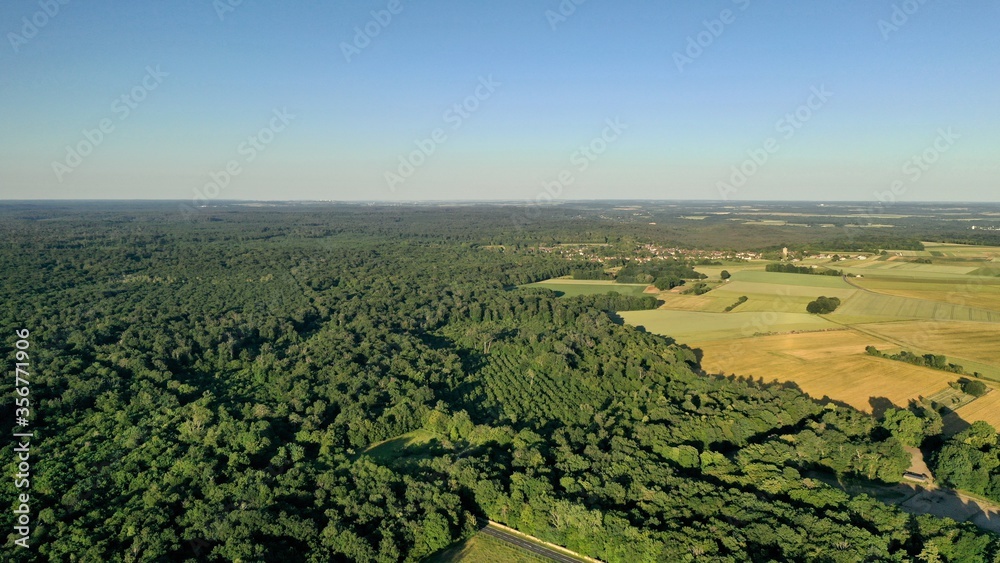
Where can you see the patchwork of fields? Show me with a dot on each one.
(949, 307)
(831, 364)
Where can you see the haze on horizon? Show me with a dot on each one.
(546, 99)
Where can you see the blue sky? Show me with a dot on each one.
(734, 99)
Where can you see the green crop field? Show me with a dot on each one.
(804, 280)
(732, 267)
(741, 287)
(982, 294)
(571, 288)
(890, 306)
(687, 326)
(914, 269)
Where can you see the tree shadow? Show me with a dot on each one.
(880, 405)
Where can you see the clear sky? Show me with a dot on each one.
(524, 100)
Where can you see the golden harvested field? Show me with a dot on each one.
(707, 302)
(829, 363)
(949, 307)
(976, 341)
(985, 408)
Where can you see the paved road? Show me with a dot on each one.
(533, 547)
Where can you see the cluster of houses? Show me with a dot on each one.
(672, 252)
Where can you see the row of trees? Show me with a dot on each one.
(935, 361)
(793, 269)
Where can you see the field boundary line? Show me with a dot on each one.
(552, 546)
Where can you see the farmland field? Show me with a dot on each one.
(688, 326)
(890, 306)
(974, 346)
(986, 408)
(914, 269)
(961, 250)
(712, 302)
(732, 267)
(979, 293)
(924, 308)
(571, 288)
(803, 280)
(832, 364)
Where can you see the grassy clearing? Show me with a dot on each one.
(406, 445)
(688, 326)
(893, 307)
(571, 288)
(481, 548)
(832, 364)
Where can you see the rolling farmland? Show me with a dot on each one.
(973, 290)
(940, 308)
(985, 408)
(689, 326)
(893, 307)
(832, 364)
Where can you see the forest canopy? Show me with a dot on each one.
(373, 383)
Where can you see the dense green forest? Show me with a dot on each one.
(210, 387)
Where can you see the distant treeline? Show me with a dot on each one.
(793, 269)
